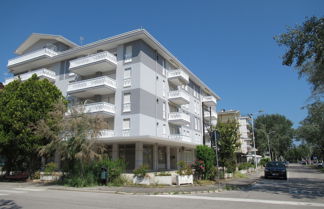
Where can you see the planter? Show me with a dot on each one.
(49, 177)
(185, 179)
(167, 180)
(228, 175)
(141, 180)
(243, 171)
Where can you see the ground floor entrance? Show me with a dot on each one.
(157, 157)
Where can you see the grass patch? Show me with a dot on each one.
(239, 175)
(204, 182)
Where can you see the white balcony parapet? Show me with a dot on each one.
(93, 58)
(213, 115)
(91, 83)
(180, 97)
(179, 117)
(32, 55)
(97, 107)
(106, 133)
(178, 76)
(42, 73)
(209, 100)
(180, 138)
(126, 132)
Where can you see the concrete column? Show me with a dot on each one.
(168, 157)
(138, 154)
(115, 152)
(178, 156)
(155, 157)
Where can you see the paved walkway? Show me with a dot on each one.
(184, 189)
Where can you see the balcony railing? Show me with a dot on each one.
(180, 138)
(98, 107)
(209, 101)
(213, 115)
(106, 133)
(103, 81)
(178, 77)
(32, 55)
(179, 118)
(93, 58)
(42, 73)
(179, 97)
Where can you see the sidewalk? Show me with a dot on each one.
(185, 189)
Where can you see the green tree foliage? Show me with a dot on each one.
(207, 156)
(280, 133)
(228, 144)
(312, 128)
(298, 153)
(74, 136)
(305, 45)
(22, 104)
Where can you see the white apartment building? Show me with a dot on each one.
(154, 106)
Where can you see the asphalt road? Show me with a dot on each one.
(303, 189)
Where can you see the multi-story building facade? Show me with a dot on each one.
(153, 105)
(245, 140)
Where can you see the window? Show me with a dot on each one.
(164, 129)
(163, 67)
(126, 127)
(196, 123)
(127, 77)
(164, 110)
(163, 88)
(128, 54)
(127, 102)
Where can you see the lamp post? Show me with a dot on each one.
(253, 138)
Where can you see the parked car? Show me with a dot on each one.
(17, 176)
(275, 169)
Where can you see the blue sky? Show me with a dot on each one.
(228, 44)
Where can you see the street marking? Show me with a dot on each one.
(11, 191)
(30, 189)
(3, 194)
(275, 202)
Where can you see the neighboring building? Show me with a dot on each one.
(245, 137)
(152, 103)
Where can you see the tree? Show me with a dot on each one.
(312, 128)
(228, 143)
(73, 136)
(21, 105)
(280, 132)
(305, 45)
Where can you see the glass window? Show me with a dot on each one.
(127, 102)
(164, 110)
(126, 124)
(148, 156)
(128, 54)
(127, 77)
(164, 129)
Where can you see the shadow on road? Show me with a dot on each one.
(8, 204)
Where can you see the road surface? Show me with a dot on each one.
(303, 189)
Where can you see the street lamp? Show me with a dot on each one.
(253, 139)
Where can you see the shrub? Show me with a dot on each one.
(200, 169)
(163, 174)
(184, 169)
(114, 167)
(141, 171)
(230, 166)
(50, 167)
(264, 161)
(245, 166)
(207, 155)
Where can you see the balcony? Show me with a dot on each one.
(100, 62)
(41, 73)
(180, 138)
(106, 134)
(179, 118)
(105, 109)
(209, 101)
(178, 77)
(179, 97)
(31, 60)
(94, 86)
(213, 115)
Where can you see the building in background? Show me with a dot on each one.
(244, 151)
(154, 106)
